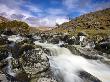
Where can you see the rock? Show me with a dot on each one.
(36, 38)
(44, 37)
(16, 38)
(3, 52)
(81, 38)
(22, 76)
(87, 53)
(104, 47)
(65, 38)
(25, 47)
(35, 63)
(82, 34)
(55, 39)
(3, 40)
(8, 32)
(88, 77)
(46, 80)
(90, 45)
(3, 78)
(72, 40)
(18, 48)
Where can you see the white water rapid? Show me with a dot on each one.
(66, 65)
(9, 66)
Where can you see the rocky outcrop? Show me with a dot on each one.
(104, 46)
(89, 53)
(29, 63)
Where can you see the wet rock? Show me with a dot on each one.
(46, 80)
(71, 40)
(82, 38)
(85, 52)
(82, 34)
(25, 47)
(3, 52)
(18, 48)
(3, 40)
(3, 78)
(55, 39)
(16, 38)
(88, 77)
(65, 38)
(104, 47)
(8, 32)
(35, 63)
(44, 37)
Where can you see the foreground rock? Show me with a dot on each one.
(89, 53)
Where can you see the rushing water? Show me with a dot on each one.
(8, 68)
(66, 65)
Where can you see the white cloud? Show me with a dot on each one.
(52, 20)
(48, 21)
(56, 11)
(70, 3)
(16, 12)
(12, 7)
(33, 8)
(4, 8)
(100, 6)
(85, 4)
(50, 16)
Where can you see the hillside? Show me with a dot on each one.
(98, 20)
(43, 28)
(19, 26)
(15, 26)
(3, 19)
(92, 23)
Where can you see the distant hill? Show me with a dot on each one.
(3, 19)
(44, 28)
(19, 26)
(91, 23)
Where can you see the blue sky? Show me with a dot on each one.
(49, 12)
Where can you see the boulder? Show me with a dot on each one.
(8, 32)
(35, 63)
(3, 52)
(46, 80)
(82, 34)
(103, 46)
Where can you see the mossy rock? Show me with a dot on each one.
(25, 47)
(82, 34)
(26, 41)
(3, 41)
(22, 76)
(3, 52)
(103, 47)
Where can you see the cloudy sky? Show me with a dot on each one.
(48, 12)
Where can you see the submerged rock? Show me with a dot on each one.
(88, 77)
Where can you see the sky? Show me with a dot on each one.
(48, 12)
